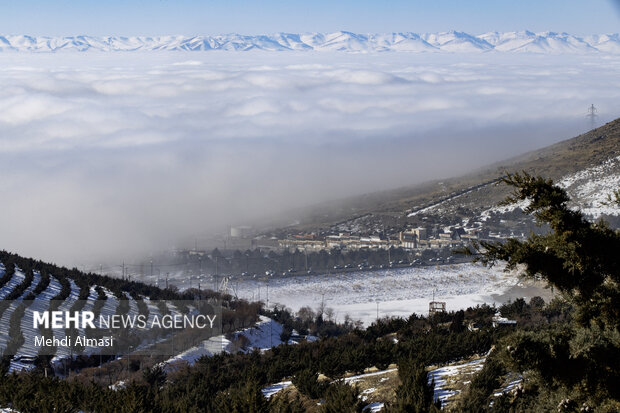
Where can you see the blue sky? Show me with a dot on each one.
(190, 17)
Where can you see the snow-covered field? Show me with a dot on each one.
(396, 292)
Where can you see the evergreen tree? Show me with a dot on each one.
(244, 398)
(415, 394)
(307, 383)
(154, 377)
(476, 398)
(342, 398)
(280, 403)
(580, 361)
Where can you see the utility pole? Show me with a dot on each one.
(271, 320)
(306, 254)
(187, 275)
(592, 115)
(216, 268)
(377, 310)
(123, 270)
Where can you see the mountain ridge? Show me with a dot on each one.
(344, 41)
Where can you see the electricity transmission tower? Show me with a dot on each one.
(592, 115)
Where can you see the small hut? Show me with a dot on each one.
(436, 307)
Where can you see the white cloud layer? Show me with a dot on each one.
(105, 153)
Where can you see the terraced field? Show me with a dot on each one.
(25, 290)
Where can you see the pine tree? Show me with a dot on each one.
(476, 398)
(415, 394)
(307, 383)
(577, 362)
(245, 398)
(280, 403)
(578, 257)
(342, 398)
(154, 377)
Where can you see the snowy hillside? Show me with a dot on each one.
(590, 191)
(452, 41)
(592, 188)
(18, 290)
(262, 336)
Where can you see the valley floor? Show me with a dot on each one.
(392, 292)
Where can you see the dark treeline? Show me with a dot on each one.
(233, 381)
(257, 261)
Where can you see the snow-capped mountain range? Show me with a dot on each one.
(453, 41)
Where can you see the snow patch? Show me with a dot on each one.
(441, 376)
(374, 407)
(275, 388)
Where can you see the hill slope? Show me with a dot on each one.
(587, 165)
(28, 285)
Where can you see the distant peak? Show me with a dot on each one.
(452, 41)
